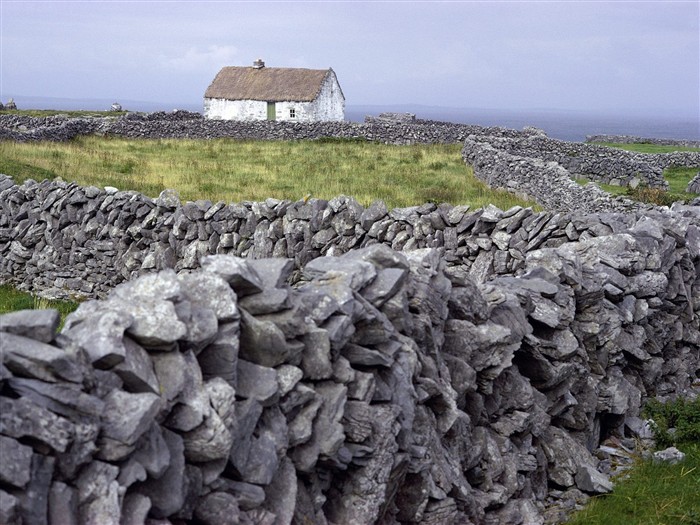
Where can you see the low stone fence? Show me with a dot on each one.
(544, 170)
(383, 387)
(64, 240)
(546, 182)
(597, 163)
(183, 124)
(627, 139)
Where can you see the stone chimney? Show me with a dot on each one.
(259, 64)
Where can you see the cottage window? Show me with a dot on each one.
(292, 113)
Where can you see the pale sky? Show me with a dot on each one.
(610, 56)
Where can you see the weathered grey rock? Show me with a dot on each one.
(137, 369)
(169, 368)
(163, 286)
(30, 358)
(270, 300)
(40, 325)
(590, 480)
(168, 199)
(301, 426)
(192, 403)
(694, 185)
(262, 342)
(34, 500)
(273, 272)
(134, 509)
(256, 382)
(218, 508)
(99, 332)
(669, 455)
(331, 271)
(363, 505)
(9, 509)
(98, 497)
(213, 439)
(127, 416)
(248, 414)
(235, 271)
(565, 457)
(220, 357)
(287, 378)
(15, 467)
(155, 325)
(152, 452)
(63, 504)
(327, 435)
(167, 492)
(316, 358)
(21, 418)
(201, 325)
(281, 493)
(63, 399)
(209, 290)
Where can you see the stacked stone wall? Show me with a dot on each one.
(629, 139)
(60, 239)
(183, 124)
(383, 387)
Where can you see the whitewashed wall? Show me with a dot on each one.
(220, 108)
(328, 106)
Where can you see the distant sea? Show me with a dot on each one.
(558, 124)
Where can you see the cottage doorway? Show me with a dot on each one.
(271, 111)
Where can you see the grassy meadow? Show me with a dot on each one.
(657, 493)
(12, 300)
(238, 170)
(677, 177)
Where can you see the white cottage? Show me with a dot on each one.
(274, 93)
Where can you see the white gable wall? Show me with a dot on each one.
(328, 105)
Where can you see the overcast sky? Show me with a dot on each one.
(583, 55)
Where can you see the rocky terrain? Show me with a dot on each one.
(324, 363)
(383, 387)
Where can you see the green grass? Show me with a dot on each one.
(12, 300)
(657, 493)
(653, 494)
(647, 148)
(234, 171)
(679, 177)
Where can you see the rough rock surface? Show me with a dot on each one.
(385, 388)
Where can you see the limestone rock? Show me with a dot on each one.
(39, 325)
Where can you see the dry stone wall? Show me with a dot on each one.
(60, 239)
(597, 163)
(320, 362)
(628, 139)
(544, 170)
(183, 124)
(383, 387)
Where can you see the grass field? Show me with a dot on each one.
(235, 171)
(657, 493)
(12, 300)
(653, 494)
(677, 177)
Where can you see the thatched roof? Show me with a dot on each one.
(272, 84)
